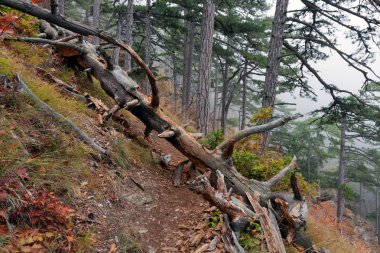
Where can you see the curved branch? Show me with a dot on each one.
(38, 12)
(46, 41)
(274, 180)
(257, 129)
(59, 118)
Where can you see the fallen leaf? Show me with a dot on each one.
(3, 196)
(112, 248)
(3, 230)
(70, 238)
(22, 173)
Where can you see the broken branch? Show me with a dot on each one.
(274, 180)
(23, 88)
(257, 129)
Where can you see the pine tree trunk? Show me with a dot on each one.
(175, 82)
(341, 175)
(244, 105)
(96, 19)
(116, 51)
(187, 65)
(54, 7)
(148, 35)
(61, 7)
(271, 75)
(224, 114)
(215, 125)
(205, 64)
(128, 33)
(377, 216)
(360, 198)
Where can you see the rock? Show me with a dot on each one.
(139, 199)
(143, 231)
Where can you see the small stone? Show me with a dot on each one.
(143, 231)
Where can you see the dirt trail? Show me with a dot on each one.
(148, 207)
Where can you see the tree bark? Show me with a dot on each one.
(244, 105)
(148, 37)
(224, 111)
(341, 175)
(204, 78)
(187, 64)
(271, 75)
(175, 85)
(54, 7)
(96, 19)
(360, 198)
(129, 33)
(116, 51)
(215, 125)
(61, 7)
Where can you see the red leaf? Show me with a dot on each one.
(3, 196)
(70, 238)
(9, 18)
(22, 173)
(3, 229)
(37, 1)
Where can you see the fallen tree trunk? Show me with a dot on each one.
(64, 122)
(117, 84)
(123, 89)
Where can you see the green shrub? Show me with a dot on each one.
(213, 139)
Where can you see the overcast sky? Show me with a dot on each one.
(334, 71)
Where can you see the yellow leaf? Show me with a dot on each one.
(37, 246)
(49, 234)
(113, 248)
(26, 249)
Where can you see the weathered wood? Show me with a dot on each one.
(66, 123)
(178, 173)
(73, 26)
(230, 242)
(120, 87)
(274, 180)
(257, 129)
(274, 242)
(217, 197)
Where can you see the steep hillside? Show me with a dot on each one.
(59, 195)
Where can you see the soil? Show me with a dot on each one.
(145, 206)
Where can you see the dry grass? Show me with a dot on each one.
(326, 232)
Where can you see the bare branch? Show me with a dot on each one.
(38, 12)
(274, 180)
(45, 41)
(257, 129)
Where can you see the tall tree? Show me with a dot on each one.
(187, 61)
(129, 33)
(61, 7)
(148, 37)
(271, 74)
(96, 19)
(204, 77)
(119, 27)
(341, 171)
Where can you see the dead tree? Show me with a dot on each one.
(118, 85)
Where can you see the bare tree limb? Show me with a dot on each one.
(46, 41)
(274, 180)
(273, 239)
(257, 129)
(36, 11)
(59, 118)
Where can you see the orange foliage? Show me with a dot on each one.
(41, 222)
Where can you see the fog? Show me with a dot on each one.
(334, 71)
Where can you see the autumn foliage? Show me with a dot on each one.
(33, 220)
